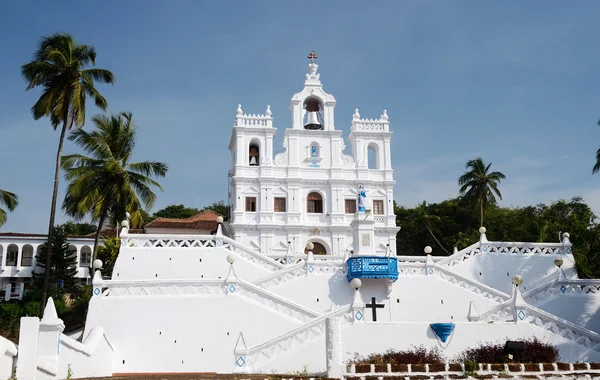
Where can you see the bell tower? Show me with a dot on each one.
(312, 108)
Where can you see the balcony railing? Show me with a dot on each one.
(372, 267)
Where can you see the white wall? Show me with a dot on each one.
(8, 353)
(181, 263)
(377, 338)
(181, 334)
(413, 298)
(497, 269)
(579, 309)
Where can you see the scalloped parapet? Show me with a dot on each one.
(253, 120)
(359, 124)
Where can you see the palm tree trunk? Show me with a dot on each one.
(96, 239)
(52, 216)
(436, 240)
(481, 220)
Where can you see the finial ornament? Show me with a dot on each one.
(312, 56)
(268, 112)
(239, 111)
(356, 115)
(384, 117)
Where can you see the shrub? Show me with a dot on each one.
(533, 352)
(415, 355)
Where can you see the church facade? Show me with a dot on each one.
(311, 192)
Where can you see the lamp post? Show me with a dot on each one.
(517, 280)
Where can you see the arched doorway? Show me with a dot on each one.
(319, 249)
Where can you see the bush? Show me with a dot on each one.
(416, 355)
(534, 352)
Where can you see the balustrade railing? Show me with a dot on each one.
(506, 248)
(586, 287)
(260, 354)
(200, 241)
(469, 284)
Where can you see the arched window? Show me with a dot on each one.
(27, 256)
(314, 203)
(318, 249)
(72, 251)
(11, 255)
(373, 156)
(254, 154)
(1, 255)
(85, 257)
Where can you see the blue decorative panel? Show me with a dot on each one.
(443, 330)
(240, 362)
(563, 288)
(232, 288)
(522, 315)
(359, 315)
(97, 291)
(372, 267)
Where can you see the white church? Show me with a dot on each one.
(306, 274)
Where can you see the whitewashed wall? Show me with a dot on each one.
(182, 334)
(8, 357)
(161, 263)
(371, 338)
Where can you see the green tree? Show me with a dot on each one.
(176, 212)
(78, 229)
(427, 219)
(108, 253)
(106, 184)
(220, 208)
(63, 265)
(479, 185)
(8, 200)
(59, 67)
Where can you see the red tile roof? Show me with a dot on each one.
(206, 220)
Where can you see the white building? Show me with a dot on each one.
(257, 304)
(18, 261)
(309, 192)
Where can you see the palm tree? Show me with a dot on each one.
(106, 185)
(479, 185)
(10, 200)
(421, 211)
(59, 68)
(597, 165)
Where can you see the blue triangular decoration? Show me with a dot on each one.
(442, 330)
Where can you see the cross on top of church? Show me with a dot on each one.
(313, 56)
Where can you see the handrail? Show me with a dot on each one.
(454, 258)
(294, 307)
(484, 290)
(254, 353)
(199, 241)
(294, 270)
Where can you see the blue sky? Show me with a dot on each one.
(514, 82)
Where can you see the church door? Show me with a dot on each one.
(319, 249)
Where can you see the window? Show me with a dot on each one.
(314, 203)
(378, 207)
(11, 255)
(350, 206)
(254, 155)
(251, 204)
(373, 156)
(279, 204)
(27, 256)
(85, 257)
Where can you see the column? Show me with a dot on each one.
(335, 362)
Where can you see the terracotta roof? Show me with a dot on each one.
(206, 220)
(108, 232)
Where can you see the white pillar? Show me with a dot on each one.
(7, 290)
(51, 327)
(28, 348)
(335, 364)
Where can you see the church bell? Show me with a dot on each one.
(312, 119)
